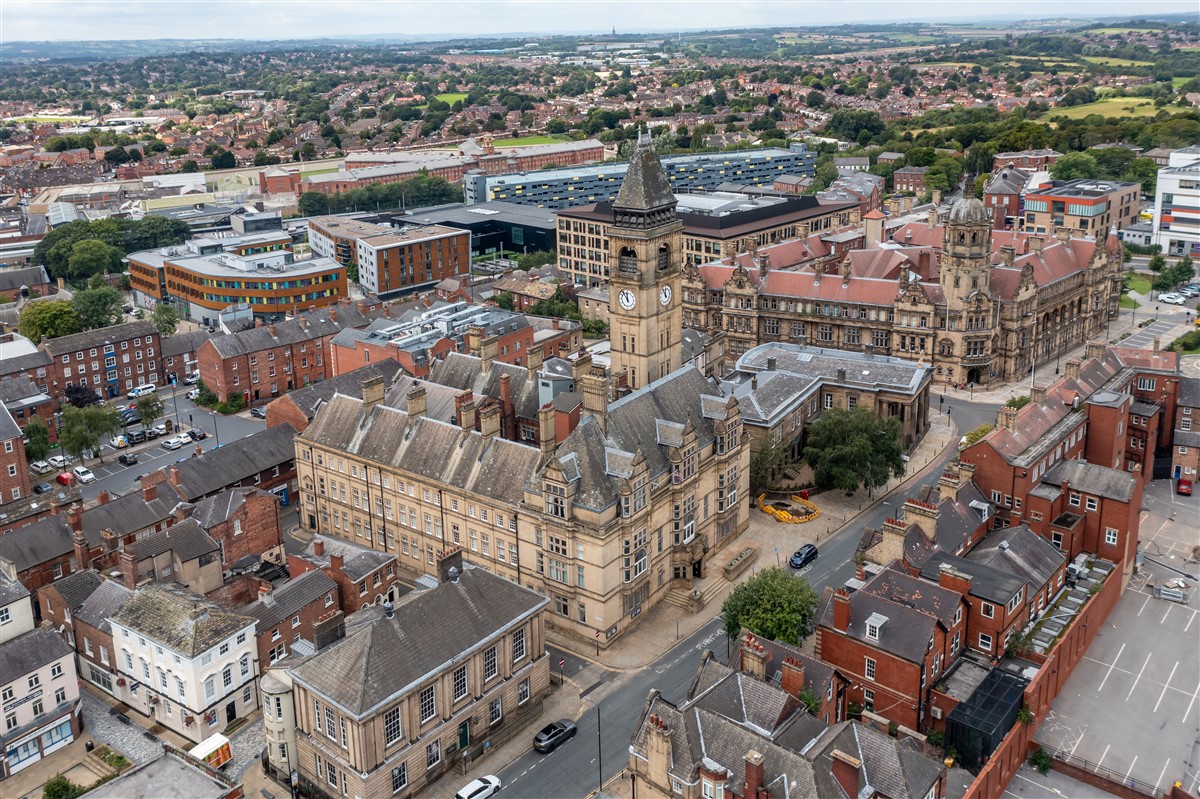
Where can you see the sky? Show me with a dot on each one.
(76, 20)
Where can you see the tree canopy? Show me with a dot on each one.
(150, 408)
(84, 428)
(98, 307)
(775, 604)
(165, 319)
(851, 448)
(91, 257)
(37, 439)
(124, 235)
(49, 318)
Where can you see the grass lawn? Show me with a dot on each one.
(451, 98)
(1140, 284)
(951, 64)
(1177, 82)
(524, 141)
(319, 171)
(1116, 62)
(1127, 302)
(48, 119)
(1107, 31)
(1114, 107)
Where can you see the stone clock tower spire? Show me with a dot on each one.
(645, 248)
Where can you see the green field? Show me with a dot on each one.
(1114, 107)
(47, 119)
(525, 141)
(319, 171)
(451, 98)
(951, 64)
(1115, 62)
(1140, 284)
(1176, 82)
(1108, 31)
(1127, 302)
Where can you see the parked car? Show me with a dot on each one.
(136, 437)
(131, 418)
(127, 458)
(159, 429)
(43, 488)
(194, 394)
(40, 467)
(553, 735)
(58, 461)
(141, 391)
(480, 788)
(258, 413)
(803, 556)
(1189, 291)
(172, 443)
(1173, 299)
(196, 434)
(192, 379)
(118, 442)
(66, 478)
(83, 474)
(1184, 487)
(151, 433)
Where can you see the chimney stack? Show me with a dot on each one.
(755, 775)
(1035, 243)
(83, 559)
(547, 437)
(1037, 394)
(272, 330)
(1094, 349)
(953, 579)
(464, 409)
(129, 573)
(1006, 254)
(595, 398)
(489, 421)
(533, 356)
(75, 518)
(336, 562)
(372, 392)
(791, 676)
(489, 348)
(318, 548)
(923, 514)
(754, 657)
(451, 558)
(658, 749)
(841, 610)
(1007, 418)
(266, 595)
(102, 498)
(150, 492)
(846, 771)
(416, 401)
(1073, 368)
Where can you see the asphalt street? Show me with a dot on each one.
(601, 747)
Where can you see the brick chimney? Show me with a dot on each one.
(1073, 368)
(533, 359)
(173, 476)
(923, 514)
(336, 562)
(547, 437)
(791, 676)
(506, 400)
(129, 573)
(464, 409)
(108, 541)
(150, 492)
(372, 391)
(75, 518)
(841, 610)
(489, 420)
(754, 657)
(953, 579)
(1037, 394)
(318, 548)
(658, 750)
(271, 329)
(102, 498)
(416, 401)
(83, 559)
(333, 315)
(451, 558)
(846, 771)
(595, 398)
(755, 775)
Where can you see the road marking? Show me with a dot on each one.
(1143, 607)
(1190, 620)
(1077, 740)
(1187, 712)
(1166, 685)
(1113, 664)
(1101, 760)
(1162, 773)
(1138, 677)
(1131, 765)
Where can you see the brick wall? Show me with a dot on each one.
(253, 529)
(14, 471)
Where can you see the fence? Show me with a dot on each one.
(1100, 777)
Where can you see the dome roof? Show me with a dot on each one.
(969, 211)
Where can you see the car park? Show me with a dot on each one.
(196, 434)
(127, 458)
(66, 478)
(553, 735)
(171, 443)
(151, 433)
(480, 788)
(258, 413)
(131, 418)
(160, 429)
(43, 488)
(83, 474)
(803, 556)
(136, 437)
(40, 467)
(192, 379)
(141, 391)
(1184, 487)
(58, 461)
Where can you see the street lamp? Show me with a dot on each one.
(216, 430)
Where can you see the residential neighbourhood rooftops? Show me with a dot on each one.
(99, 337)
(290, 598)
(30, 651)
(236, 461)
(187, 540)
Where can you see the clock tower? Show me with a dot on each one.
(645, 251)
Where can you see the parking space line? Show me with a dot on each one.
(1143, 607)
(1190, 620)
(1077, 740)
(1101, 760)
(1131, 765)
(1162, 774)
(1112, 666)
(1165, 612)
(1188, 712)
(1166, 685)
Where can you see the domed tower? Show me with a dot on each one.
(966, 250)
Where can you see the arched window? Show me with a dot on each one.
(627, 260)
(664, 257)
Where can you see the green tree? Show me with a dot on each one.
(37, 439)
(84, 428)
(505, 300)
(1157, 263)
(80, 395)
(92, 257)
(313, 203)
(49, 318)
(190, 165)
(98, 307)
(1073, 166)
(223, 159)
(774, 604)
(767, 463)
(165, 319)
(536, 259)
(976, 434)
(150, 408)
(59, 787)
(847, 449)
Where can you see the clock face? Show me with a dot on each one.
(627, 299)
(664, 295)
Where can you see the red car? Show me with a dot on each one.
(66, 478)
(1184, 487)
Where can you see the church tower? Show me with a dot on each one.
(645, 252)
(966, 252)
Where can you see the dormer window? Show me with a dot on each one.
(875, 624)
(556, 500)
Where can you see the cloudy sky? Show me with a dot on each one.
(25, 20)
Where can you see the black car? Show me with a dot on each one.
(151, 434)
(196, 434)
(258, 413)
(803, 556)
(553, 736)
(43, 488)
(127, 458)
(131, 418)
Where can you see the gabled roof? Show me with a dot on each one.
(182, 622)
(390, 657)
(290, 598)
(311, 397)
(29, 652)
(303, 327)
(99, 337)
(235, 461)
(75, 588)
(129, 514)
(1090, 478)
(893, 767)
(211, 511)
(104, 603)
(461, 372)
(182, 343)
(905, 635)
(187, 540)
(44, 540)
(903, 589)
(357, 561)
(1020, 551)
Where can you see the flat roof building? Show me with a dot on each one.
(1087, 207)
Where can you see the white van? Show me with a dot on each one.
(141, 391)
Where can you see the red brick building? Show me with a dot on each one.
(298, 407)
(1003, 196)
(910, 179)
(112, 360)
(278, 181)
(1185, 442)
(244, 521)
(290, 613)
(266, 460)
(14, 470)
(24, 400)
(80, 606)
(41, 552)
(1033, 160)
(795, 673)
(364, 576)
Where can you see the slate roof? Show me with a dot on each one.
(104, 603)
(235, 461)
(645, 186)
(11, 590)
(25, 363)
(14, 389)
(29, 652)
(632, 427)
(1020, 551)
(13, 279)
(430, 629)
(1092, 479)
(75, 588)
(183, 622)
(906, 633)
(434, 449)
(461, 372)
(183, 343)
(439, 400)
(903, 589)
(129, 514)
(290, 598)
(1189, 392)
(8, 426)
(311, 397)
(357, 561)
(187, 540)
(211, 511)
(99, 337)
(303, 327)
(894, 767)
(44, 540)
(745, 699)
(817, 674)
(987, 582)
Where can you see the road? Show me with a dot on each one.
(601, 748)
(119, 480)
